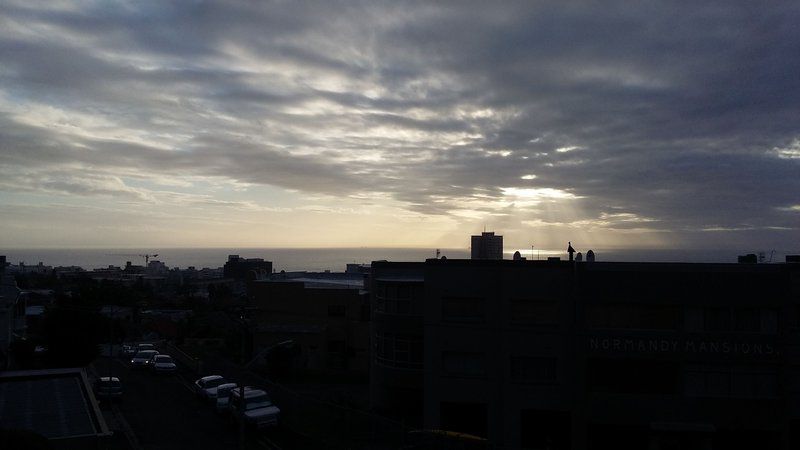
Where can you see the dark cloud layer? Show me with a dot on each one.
(665, 116)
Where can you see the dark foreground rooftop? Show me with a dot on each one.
(57, 404)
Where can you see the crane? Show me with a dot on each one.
(147, 258)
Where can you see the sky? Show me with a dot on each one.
(399, 124)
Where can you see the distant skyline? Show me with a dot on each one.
(157, 124)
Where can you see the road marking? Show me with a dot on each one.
(268, 443)
(184, 382)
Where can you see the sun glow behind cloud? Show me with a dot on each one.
(350, 124)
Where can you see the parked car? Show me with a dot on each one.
(133, 348)
(142, 358)
(223, 396)
(143, 346)
(163, 364)
(256, 408)
(206, 387)
(107, 388)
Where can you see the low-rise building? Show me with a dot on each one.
(57, 404)
(326, 315)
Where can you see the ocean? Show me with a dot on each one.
(335, 259)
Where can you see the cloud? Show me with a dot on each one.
(610, 116)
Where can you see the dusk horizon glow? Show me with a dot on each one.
(401, 125)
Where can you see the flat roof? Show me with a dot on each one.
(57, 404)
(401, 278)
(317, 283)
(617, 265)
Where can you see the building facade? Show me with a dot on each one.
(397, 333)
(327, 318)
(613, 355)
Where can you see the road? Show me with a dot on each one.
(163, 413)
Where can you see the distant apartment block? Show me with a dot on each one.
(487, 246)
(246, 268)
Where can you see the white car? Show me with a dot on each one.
(143, 347)
(256, 409)
(223, 396)
(163, 364)
(142, 359)
(206, 387)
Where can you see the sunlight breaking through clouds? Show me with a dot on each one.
(448, 115)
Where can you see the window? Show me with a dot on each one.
(707, 382)
(744, 320)
(337, 354)
(393, 298)
(749, 383)
(769, 321)
(404, 291)
(337, 310)
(534, 312)
(633, 376)
(525, 369)
(336, 346)
(747, 320)
(399, 350)
(634, 316)
(463, 309)
(727, 381)
(693, 319)
(464, 364)
(717, 319)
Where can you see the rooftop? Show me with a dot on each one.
(55, 403)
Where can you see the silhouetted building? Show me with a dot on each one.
(749, 258)
(327, 317)
(12, 315)
(396, 375)
(561, 355)
(246, 268)
(487, 246)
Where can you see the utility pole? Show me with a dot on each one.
(243, 404)
(110, 343)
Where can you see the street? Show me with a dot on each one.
(163, 412)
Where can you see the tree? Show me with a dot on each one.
(72, 336)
